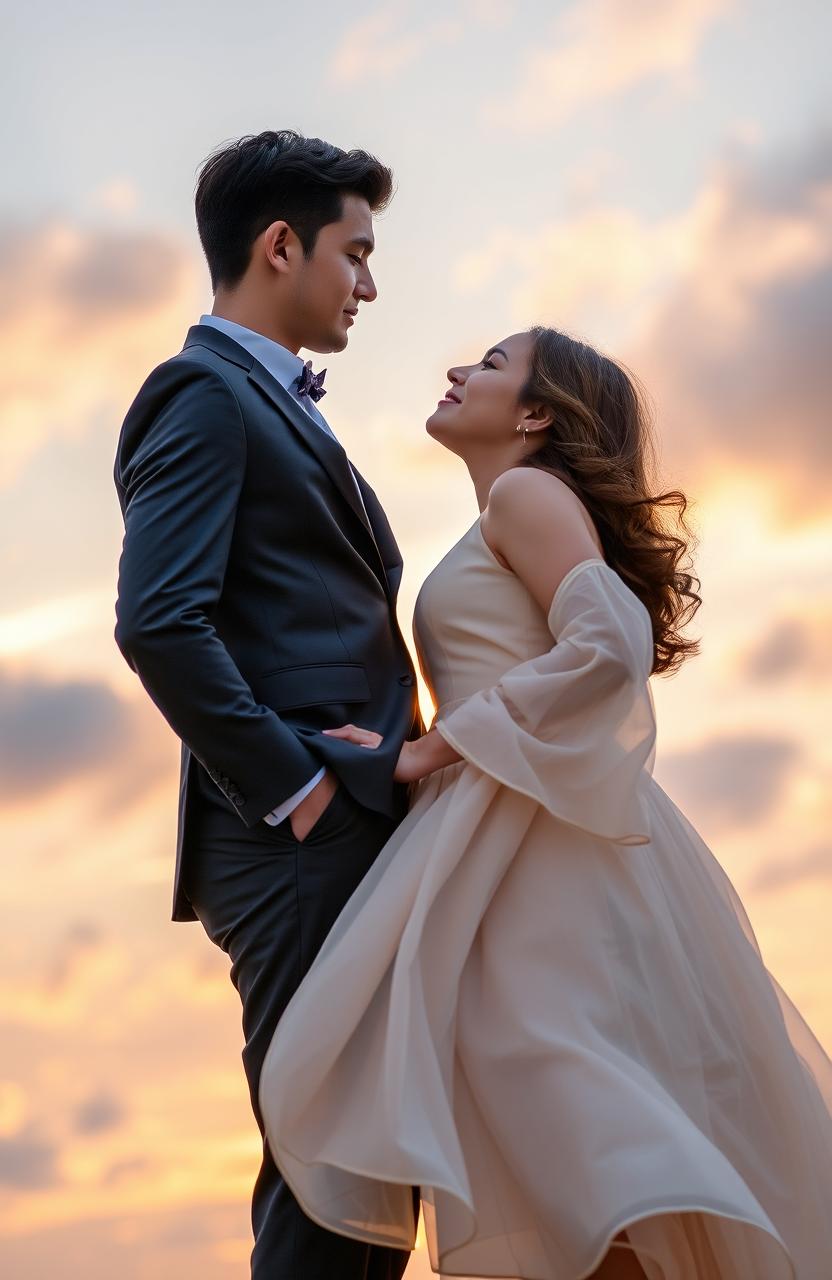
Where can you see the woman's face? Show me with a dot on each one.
(482, 408)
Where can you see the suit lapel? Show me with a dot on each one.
(326, 449)
(388, 548)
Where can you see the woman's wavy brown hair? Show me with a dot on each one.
(601, 446)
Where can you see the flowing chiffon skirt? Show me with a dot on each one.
(545, 1005)
(555, 1037)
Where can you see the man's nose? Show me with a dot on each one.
(366, 288)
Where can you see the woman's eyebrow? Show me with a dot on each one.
(495, 351)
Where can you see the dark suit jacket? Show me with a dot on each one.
(256, 600)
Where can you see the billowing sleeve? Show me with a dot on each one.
(573, 728)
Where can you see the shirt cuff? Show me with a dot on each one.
(283, 810)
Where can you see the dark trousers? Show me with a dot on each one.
(269, 901)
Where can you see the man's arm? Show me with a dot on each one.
(182, 477)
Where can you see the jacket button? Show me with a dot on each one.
(406, 679)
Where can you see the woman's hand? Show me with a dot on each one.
(417, 758)
(352, 733)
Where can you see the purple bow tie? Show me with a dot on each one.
(311, 384)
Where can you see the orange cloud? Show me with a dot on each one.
(209, 1240)
(601, 49)
(732, 779)
(27, 1160)
(85, 314)
(783, 873)
(56, 733)
(736, 351)
(793, 646)
(380, 44)
(592, 272)
(723, 310)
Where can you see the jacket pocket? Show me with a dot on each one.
(313, 685)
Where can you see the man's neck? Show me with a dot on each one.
(241, 310)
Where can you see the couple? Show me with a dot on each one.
(512, 984)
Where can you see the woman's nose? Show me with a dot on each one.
(455, 376)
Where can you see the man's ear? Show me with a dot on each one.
(278, 241)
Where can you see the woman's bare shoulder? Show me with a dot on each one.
(518, 485)
(524, 499)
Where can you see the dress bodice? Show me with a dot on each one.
(473, 621)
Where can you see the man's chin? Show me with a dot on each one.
(335, 341)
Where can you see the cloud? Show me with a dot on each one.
(736, 351)
(54, 732)
(793, 646)
(723, 309)
(12, 1106)
(115, 274)
(87, 278)
(600, 50)
(51, 731)
(80, 939)
(124, 1169)
(193, 1239)
(85, 313)
(117, 196)
(383, 42)
(785, 872)
(588, 273)
(733, 780)
(51, 621)
(87, 972)
(84, 971)
(27, 1162)
(99, 1113)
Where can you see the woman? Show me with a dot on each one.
(544, 1005)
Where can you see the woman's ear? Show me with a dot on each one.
(537, 417)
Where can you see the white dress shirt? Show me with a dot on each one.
(286, 367)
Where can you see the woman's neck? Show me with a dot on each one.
(484, 471)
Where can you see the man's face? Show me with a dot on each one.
(328, 287)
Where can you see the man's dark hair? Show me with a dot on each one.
(248, 184)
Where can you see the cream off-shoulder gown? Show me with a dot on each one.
(545, 1005)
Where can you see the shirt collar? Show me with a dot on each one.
(281, 363)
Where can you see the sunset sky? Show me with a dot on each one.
(652, 175)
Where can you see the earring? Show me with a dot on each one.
(523, 429)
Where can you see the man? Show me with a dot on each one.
(256, 602)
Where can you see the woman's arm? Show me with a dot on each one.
(538, 527)
(417, 758)
(534, 524)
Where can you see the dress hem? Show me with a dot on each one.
(376, 1238)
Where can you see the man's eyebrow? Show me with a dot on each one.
(365, 242)
(495, 351)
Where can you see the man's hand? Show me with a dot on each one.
(303, 818)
